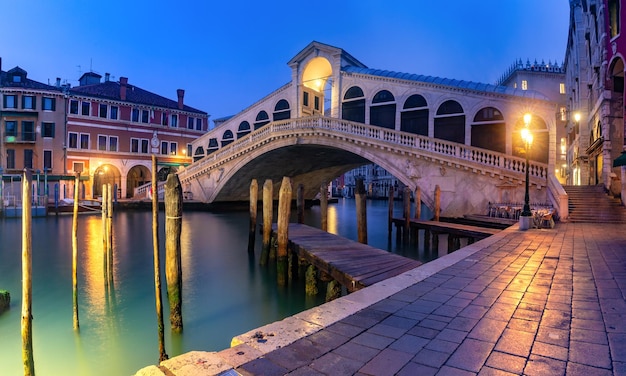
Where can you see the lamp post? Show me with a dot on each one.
(527, 137)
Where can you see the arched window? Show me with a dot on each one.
(282, 111)
(489, 130)
(414, 117)
(383, 110)
(539, 147)
(353, 106)
(261, 119)
(213, 146)
(450, 122)
(198, 154)
(227, 137)
(244, 129)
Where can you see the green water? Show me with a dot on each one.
(225, 292)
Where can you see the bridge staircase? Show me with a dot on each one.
(591, 203)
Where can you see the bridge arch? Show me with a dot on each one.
(227, 137)
(105, 174)
(282, 111)
(488, 129)
(353, 105)
(137, 176)
(261, 119)
(243, 129)
(449, 122)
(414, 115)
(383, 109)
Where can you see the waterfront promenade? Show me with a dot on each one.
(539, 302)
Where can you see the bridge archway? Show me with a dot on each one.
(136, 177)
(316, 78)
(106, 174)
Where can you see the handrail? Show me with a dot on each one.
(559, 198)
(324, 126)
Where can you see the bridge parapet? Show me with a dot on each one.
(460, 155)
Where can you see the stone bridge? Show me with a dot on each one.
(316, 149)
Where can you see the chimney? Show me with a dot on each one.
(123, 83)
(181, 95)
(107, 76)
(58, 81)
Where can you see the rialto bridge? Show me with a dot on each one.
(336, 114)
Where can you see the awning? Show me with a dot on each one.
(620, 161)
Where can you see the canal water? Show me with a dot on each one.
(225, 292)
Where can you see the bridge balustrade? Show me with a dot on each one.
(416, 142)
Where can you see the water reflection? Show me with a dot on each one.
(225, 292)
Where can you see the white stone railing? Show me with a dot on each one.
(143, 190)
(330, 127)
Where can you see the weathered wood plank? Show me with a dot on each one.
(354, 265)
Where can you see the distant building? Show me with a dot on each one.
(548, 79)
(113, 128)
(32, 128)
(594, 65)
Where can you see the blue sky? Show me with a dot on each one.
(228, 54)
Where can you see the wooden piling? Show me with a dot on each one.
(156, 259)
(110, 233)
(333, 290)
(311, 281)
(268, 207)
(418, 203)
(105, 237)
(437, 202)
(254, 197)
(324, 206)
(284, 211)
(173, 264)
(27, 282)
(361, 211)
(300, 203)
(75, 255)
(407, 214)
(390, 215)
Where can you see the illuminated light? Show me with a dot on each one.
(577, 117)
(527, 119)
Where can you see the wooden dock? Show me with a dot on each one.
(454, 229)
(354, 265)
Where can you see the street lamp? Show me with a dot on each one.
(527, 137)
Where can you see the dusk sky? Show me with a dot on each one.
(229, 54)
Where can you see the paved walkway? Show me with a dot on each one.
(539, 302)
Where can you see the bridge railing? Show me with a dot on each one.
(460, 152)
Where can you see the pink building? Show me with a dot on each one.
(113, 129)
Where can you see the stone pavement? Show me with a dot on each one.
(538, 302)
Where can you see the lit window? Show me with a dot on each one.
(561, 88)
(524, 85)
(563, 113)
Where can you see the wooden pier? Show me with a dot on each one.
(354, 265)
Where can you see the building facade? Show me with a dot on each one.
(594, 67)
(113, 128)
(32, 130)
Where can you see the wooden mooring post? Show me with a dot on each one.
(390, 214)
(110, 234)
(75, 255)
(268, 207)
(173, 263)
(254, 197)
(156, 258)
(27, 281)
(284, 211)
(437, 202)
(406, 196)
(324, 206)
(105, 237)
(361, 211)
(300, 203)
